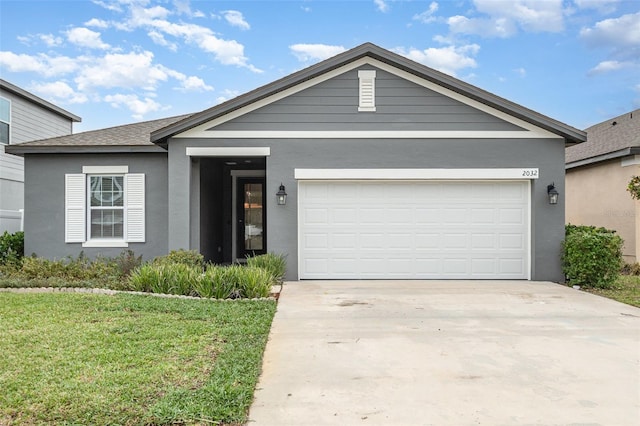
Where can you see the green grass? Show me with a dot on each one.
(626, 289)
(128, 359)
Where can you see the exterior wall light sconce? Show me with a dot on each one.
(552, 192)
(281, 195)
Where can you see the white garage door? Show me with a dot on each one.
(413, 229)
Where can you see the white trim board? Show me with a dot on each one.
(257, 151)
(373, 134)
(415, 174)
(202, 131)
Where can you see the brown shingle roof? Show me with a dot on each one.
(607, 137)
(128, 135)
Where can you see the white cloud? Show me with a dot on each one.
(620, 37)
(112, 6)
(195, 84)
(603, 6)
(608, 66)
(427, 16)
(382, 5)
(50, 40)
(227, 52)
(311, 52)
(159, 39)
(521, 72)
(236, 19)
(226, 95)
(132, 70)
(504, 17)
(139, 107)
(449, 59)
(614, 32)
(97, 23)
(48, 66)
(59, 91)
(84, 37)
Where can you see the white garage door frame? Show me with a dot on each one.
(523, 175)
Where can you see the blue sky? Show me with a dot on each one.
(117, 62)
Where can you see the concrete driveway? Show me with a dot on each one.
(449, 353)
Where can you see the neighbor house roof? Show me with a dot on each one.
(5, 85)
(571, 134)
(127, 138)
(613, 138)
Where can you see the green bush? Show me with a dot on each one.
(79, 269)
(591, 256)
(11, 247)
(275, 264)
(219, 282)
(166, 278)
(185, 257)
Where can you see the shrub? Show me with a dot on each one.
(185, 257)
(126, 262)
(167, 278)
(591, 256)
(217, 282)
(255, 282)
(275, 264)
(11, 247)
(630, 269)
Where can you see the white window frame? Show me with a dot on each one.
(91, 209)
(78, 209)
(8, 123)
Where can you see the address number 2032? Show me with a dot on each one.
(529, 172)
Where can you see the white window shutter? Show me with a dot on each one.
(75, 204)
(367, 90)
(134, 201)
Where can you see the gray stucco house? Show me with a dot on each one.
(23, 117)
(391, 170)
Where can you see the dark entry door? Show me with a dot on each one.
(251, 216)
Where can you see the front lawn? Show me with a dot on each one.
(128, 359)
(626, 289)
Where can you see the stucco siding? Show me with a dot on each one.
(400, 105)
(45, 210)
(547, 221)
(32, 122)
(597, 195)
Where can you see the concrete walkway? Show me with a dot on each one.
(449, 353)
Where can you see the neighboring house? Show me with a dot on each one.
(391, 170)
(23, 117)
(598, 172)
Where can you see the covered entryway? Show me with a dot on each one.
(414, 229)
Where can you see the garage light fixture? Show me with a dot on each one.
(281, 195)
(552, 192)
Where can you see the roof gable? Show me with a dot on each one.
(203, 124)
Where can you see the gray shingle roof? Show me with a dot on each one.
(128, 135)
(607, 138)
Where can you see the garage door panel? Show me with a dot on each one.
(413, 230)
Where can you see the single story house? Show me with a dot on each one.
(391, 170)
(598, 172)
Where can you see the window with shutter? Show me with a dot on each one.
(104, 207)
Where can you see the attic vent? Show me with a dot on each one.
(367, 90)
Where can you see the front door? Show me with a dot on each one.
(251, 217)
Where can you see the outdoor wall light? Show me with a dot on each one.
(281, 195)
(552, 192)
